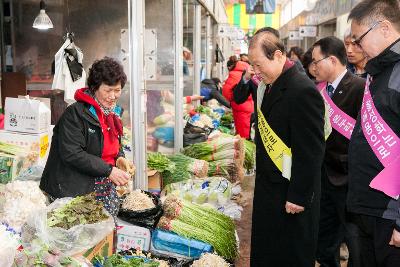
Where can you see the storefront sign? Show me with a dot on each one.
(294, 35)
(308, 31)
(226, 30)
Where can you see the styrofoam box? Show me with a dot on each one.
(132, 236)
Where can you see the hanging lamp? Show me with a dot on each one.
(42, 21)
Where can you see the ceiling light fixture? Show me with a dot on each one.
(42, 21)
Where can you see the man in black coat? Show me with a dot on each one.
(285, 210)
(346, 91)
(375, 28)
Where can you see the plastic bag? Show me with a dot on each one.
(171, 242)
(146, 218)
(216, 191)
(72, 241)
(8, 246)
(190, 139)
(33, 173)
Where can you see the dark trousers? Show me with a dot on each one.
(374, 238)
(335, 227)
(280, 239)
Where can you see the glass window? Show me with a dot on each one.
(160, 69)
(188, 23)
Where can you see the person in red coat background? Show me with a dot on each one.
(241, 112)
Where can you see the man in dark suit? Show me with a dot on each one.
(346, 91)
(285, 205)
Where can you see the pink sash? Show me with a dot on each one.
(256, 79)
(385, 144)
(340, 121)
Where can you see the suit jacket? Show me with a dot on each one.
(348, 97)
(295, 111)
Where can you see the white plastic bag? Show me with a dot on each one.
(70, 242)
(8, 244)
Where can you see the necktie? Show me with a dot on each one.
(330, 90)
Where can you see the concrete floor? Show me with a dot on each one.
(243, 226)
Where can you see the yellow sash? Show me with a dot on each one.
(276, 149)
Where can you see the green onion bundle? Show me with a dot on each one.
(194, 214)
(249, 154)
(12, 149)
(227, 168)
(159, 162)
(202, 223)
(212, 150)
(223, 244)
(195, 167)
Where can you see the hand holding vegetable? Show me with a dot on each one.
(125, 165)
(119, 177)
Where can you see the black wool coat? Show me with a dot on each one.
(295, 111)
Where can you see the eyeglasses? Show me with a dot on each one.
(359, 39)
(315, 62)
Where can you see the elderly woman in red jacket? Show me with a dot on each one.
(241, 112)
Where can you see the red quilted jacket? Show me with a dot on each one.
(233, 79)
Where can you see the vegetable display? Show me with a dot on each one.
(208, 259)
(224, 154)
(249, 154)
(216, 191)
(185, 168)
(201, 223)
(118, 260)
(21, 198)
(12, 149)
(221, 148)
(227, 120)
(159, 162)
(137, 200)
(80, 210)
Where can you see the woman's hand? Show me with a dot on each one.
(249, 73)
(119, 177)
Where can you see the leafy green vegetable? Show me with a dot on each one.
(80, 210)
(227, 120)
(249, 154)
(159, 162)
(117, 260)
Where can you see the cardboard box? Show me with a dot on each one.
(11, 166)
(36, 145)
(103, 248)
(26, 115)
(154, 181)
(132, 236)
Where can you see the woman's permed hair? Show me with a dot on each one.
(108, 71)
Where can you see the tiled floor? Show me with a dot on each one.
(244, 225)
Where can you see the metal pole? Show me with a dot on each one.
(197, 48)
(138, 93)
(178, 77)
(2, 48)
(208, 44)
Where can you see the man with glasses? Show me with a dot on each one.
(375, 27)
(346, 91)
(355, 56)
(290, 149)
